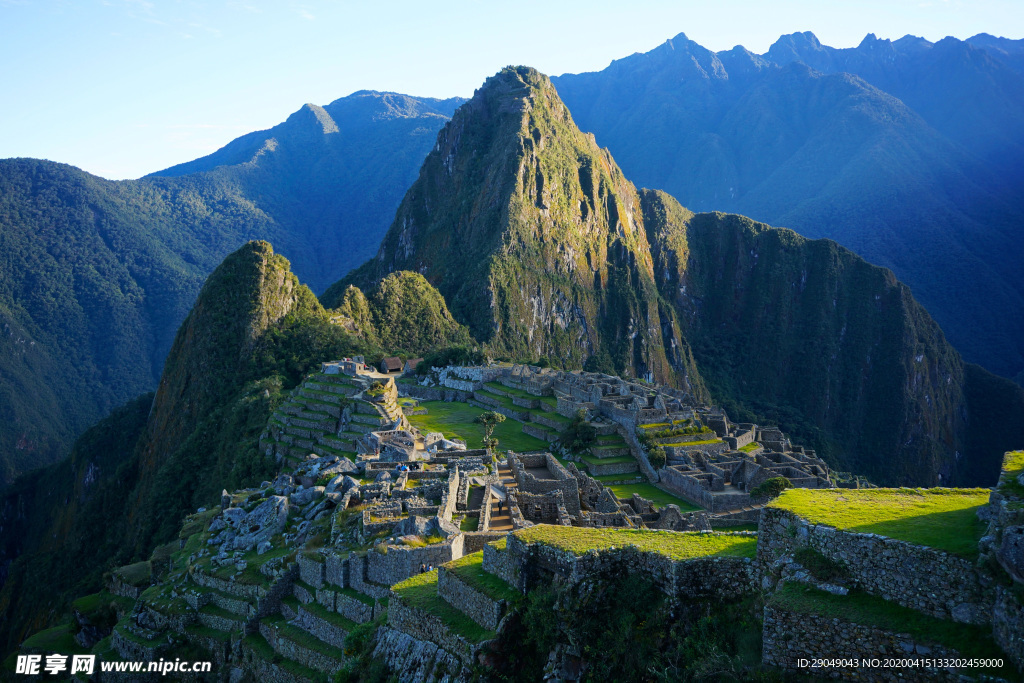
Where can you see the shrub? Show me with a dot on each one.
(580, 435)
(656, 456)
(771, 488)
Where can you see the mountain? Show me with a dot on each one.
(96, 276)
(534, 238)
(331, 177)
(252, 335)
(541, 247)
(912, 160)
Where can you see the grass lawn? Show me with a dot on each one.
(470, 569)
(869, 610)
(652, 493)
(674, 545)
(753, 445)
(456, 420)
(705, 442)
(944, 519)
(1013, 465)
(57, 639)
(420, 591)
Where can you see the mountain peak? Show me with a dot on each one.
(529, 230)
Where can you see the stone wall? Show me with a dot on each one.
(424, 626)
(679, 579)
(352, 608)
(321, 628)
(789, 637)
(401, 562)
(471, 602)
(504, 565)
(928, 580)
(687, 487)
(358, 581)
(433, 393)
(475, 541)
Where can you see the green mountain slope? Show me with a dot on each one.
(96, 276)
(912, 184)
(252, 335)
(534, 238)
(807, 334)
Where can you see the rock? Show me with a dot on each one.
(349, 483)
(382, 476)
(413, 525)
(225, 499)
(266, 520)
(216, 525)
(234, 516)
(334, 485)
(263, 547)
(334, 497)
(306, 495)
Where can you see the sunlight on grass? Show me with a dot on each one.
(456, 420)
(674, 545)
(945, 519)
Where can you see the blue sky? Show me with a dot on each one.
(126, 87)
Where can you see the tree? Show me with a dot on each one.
(771, 488)
(490, 420)
(580, 435)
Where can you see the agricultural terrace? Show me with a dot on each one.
(944, 519)
(457, 420)
(674, 545)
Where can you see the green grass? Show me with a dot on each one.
(304, 639)
(615, 460)
(456, 420)
(676, 546)
(495, 387)
(742, 526)
(653, 493)
(354, 594)
(470, 569)
(261, 648)
(339, 620)
(753, 445)
(89, 604)
(420, 591)
(704, 442)
(869, 610)
(1013, 465)
(469, 523)
(57, 639)
(138, 574)
(944, 519)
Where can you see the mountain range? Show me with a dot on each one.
(540, 245)
(909, 153)
(97, 275)
(903, 151)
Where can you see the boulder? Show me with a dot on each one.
(266, 520)
(263, 547)
(382, 476)
(440, 527)
(233, 516)
(413, 525)
(306, 495)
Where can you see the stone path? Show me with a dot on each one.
(503, 521)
